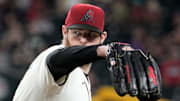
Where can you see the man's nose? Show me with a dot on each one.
(83, 40)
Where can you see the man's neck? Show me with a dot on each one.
(86, 68)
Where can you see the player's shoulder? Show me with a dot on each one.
(52, 48)
(55, 47)
(47, 51)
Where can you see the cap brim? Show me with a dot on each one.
(84, 26)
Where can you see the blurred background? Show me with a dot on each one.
(27, 27)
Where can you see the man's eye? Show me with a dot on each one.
(93, 35)
(76, 33)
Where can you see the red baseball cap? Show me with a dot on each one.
(85, 16)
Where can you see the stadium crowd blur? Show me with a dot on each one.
(27, 27)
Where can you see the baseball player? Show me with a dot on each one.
(60, 73)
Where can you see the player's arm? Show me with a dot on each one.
(63, 61)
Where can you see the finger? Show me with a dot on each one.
(157, 76)
(151, 78)
(140, 73)
(120, 80)
(130, 76)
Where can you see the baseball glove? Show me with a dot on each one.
(134, 73)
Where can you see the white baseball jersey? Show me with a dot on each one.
(38, 83)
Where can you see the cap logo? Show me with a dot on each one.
(88, 17)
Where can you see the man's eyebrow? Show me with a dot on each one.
(87, 31)
(74, 29)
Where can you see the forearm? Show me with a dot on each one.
(63, 61)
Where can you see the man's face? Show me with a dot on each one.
(83, 37)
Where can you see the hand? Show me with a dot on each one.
(133, 72)
(102, 50)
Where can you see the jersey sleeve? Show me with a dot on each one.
(62, 61)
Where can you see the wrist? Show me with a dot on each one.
(102, 50)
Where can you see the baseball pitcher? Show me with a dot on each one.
(60, 73)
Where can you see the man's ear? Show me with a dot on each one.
(64, 31)
(103, 36)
